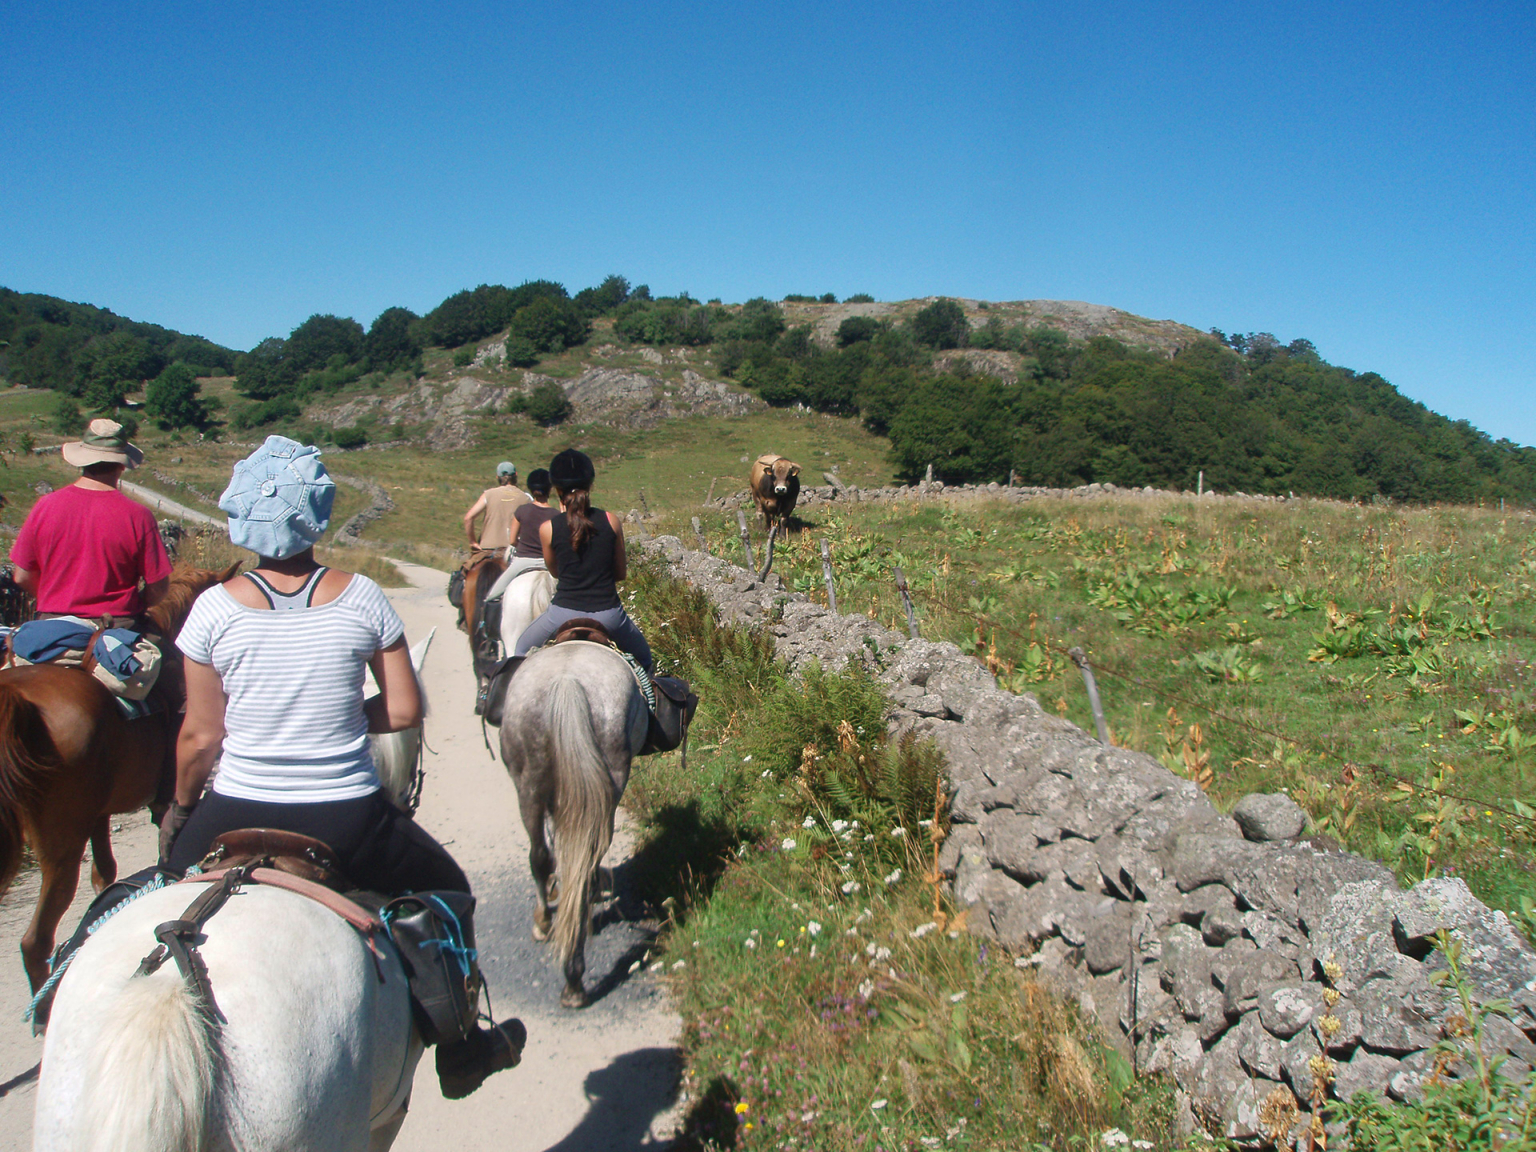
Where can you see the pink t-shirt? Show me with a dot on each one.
(89, 549)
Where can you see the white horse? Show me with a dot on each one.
(573, 721)
(522, 603)
(396, 754)
(309, 1043)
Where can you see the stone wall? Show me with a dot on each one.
(1198, 939)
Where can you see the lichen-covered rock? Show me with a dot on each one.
(1269, 816)
(1285, 1008)
(1364, 1072)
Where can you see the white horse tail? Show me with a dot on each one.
(583, 809)
(151, 1077)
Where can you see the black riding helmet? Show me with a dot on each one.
(538, 482)
(571, 470)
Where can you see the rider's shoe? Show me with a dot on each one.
(463, 1066)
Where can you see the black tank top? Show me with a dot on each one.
(585, 583)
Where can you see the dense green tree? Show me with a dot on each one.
(547, 404)
(392, 342)
(323, 336)
(171, 400)
(857, 328)
(548, 324)
(605, 298)
(67, 420)
(941, 325)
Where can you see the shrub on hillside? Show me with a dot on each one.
(67, 420)
(856, 329)
(941, 325)
(547, 404)
(171, 400)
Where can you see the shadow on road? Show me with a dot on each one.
(624, 1099)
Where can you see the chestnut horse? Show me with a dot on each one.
(484, 643)
(69, 761)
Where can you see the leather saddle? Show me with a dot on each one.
(302, 856)
(583, 628)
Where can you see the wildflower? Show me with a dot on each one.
(851, 932)
(851, 887)
(750, 943)
(789, 844)
(1114, 1138)
(864, 915)
(839, 825)
(898, 832)
(925, 823)
(808, 822)
(923, 929)
(656, 967)
(781, 942)
(866, 989)
(869, 838)
(894, 877)
(813, 951)
(813, 928)
(748, 1126)
(747, 759)
(853, 824)
(956, 997)
(679, 964)
(929, 1141)
(1144, 1145)
(767, 772)
(742, 1108)
(882, 955)
(876, 1105)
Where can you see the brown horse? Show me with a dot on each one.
(69, 761)
(484, 566)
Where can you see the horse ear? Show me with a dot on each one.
(230, 572)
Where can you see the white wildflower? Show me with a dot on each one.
(866, 989)
(766, 772)
(894, 877)
(851, 887)
(808, 822)
(1114, 1138)
(1146, 1145)
(920, 823)
(863, 916)
(750, 943)
(839, 825)
(877, 1105)
(679, 964)
(789, 845)
(882, 955)
(956, 997)
(747, 759)
(813, 951)
(813, 928)
(923, 929)
(898, 832)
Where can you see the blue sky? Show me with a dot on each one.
(1357, 174)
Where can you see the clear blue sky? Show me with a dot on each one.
(1357, 174)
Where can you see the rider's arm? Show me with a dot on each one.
(154, 593)
(547, 542)
(398, 704)
(620, 555)
(202, 731)
(469, 519)
(26, 581)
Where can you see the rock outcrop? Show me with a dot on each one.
(1198, 940)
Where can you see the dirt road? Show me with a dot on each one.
(601, 1079)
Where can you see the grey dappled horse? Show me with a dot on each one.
(574, 719)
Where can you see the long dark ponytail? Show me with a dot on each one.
(578, 507)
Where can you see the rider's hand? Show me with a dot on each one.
(170, 826)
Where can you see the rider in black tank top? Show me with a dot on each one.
(586, 581)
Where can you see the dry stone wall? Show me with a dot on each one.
(1198, 939)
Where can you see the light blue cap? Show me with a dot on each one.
(279, 499)
(506, 468)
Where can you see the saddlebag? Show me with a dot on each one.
(675, 705)
(456, 589)
(495, 697)
(435, 934)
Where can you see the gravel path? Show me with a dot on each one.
(600, 1079)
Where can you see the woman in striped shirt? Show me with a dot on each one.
(274, 670)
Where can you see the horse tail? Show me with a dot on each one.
(26, 762)
(150, 1081)
(583, 808)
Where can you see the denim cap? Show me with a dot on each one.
(279, 499)
(506, 468)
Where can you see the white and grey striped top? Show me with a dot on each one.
(294, 728)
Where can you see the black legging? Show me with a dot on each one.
(378, 846)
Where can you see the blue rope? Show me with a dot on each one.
(46, 991)
(453, 943)
(642, 678)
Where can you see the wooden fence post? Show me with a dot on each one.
(746, 538)
(826, 574)
(1080, 658)
(698, 531)
(906, 598)
(768, 558)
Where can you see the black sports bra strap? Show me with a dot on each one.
(305, 592)
(262, 586)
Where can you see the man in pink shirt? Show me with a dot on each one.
(84, 549)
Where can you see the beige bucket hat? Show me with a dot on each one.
(104, 442)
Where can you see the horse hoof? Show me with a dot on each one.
(573, 998)
(541, 933)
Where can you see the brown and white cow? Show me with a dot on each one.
(775, 487)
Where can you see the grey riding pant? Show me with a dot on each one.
(623, 630)
(515, 568)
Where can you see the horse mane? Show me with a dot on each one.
(186, 585)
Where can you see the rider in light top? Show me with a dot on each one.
(274, 667)
(498, 504)
(584, 547)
